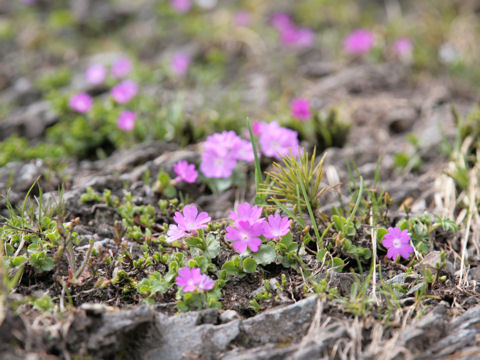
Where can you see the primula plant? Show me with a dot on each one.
(188, 223)
(222, 157)
(398, 243)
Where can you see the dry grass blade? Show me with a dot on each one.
(3, 287)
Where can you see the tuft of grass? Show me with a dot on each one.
(296, 181)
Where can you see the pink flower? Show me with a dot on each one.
(305, 38)
(174, 233)
(180, 64)
(96, 74)
(121, 68)
(276, 141)
(276, 227)
(123, 92)
(221, 152)
(281, 21)
(290, 34)
(257, 127)
(188, 278)
(81, 103)
(398, 243)
(223, 141)
(192, 279)
(359, 41)
(245, 212)
(242, 18)
(181, 6)
(205, 283)
(403, 47)
(217, 164)
(189, 221)
(243, 150)
(185, 172)
(300, 109)
(126, 120)
(297, 37)
(245, 235)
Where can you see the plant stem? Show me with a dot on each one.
(310, 212)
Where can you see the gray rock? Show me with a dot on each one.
(463, 332)
(96, 330)
(427, 331)
(401, 119)
(181, 337)
(229, 315)
(341, 281)
(24, 91)
(286, 324)
(29, 122)
(432, 260)
(361, 78)
(319, 69)
(475, 273)
(20, 177)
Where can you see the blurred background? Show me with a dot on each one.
(205, 65)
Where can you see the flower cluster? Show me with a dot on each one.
(276, 141)
(359, 42)
(180, 63)
(96, 73)
(403, 47)
(181, 6)
(291, 35)
(81, 103)
(185, 172)
(126, 120)
(300, 109)
(121, 68)
(192, 279)
(248, 226)
(187, 223)
(398, 243)
(222, 151)
(122, 93)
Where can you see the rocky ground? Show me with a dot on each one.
(109, 319)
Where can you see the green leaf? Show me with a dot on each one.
(249, 265)
(41, 262)
(202, 263)
(44, 304)
(230, 267)
(364, 252)
(338, 264)
(179, 257)
(265, 255)
(401, 160)
(18, 260)
(381, 233)
(157, 283)
(448, 225)
(213, 246)
(195, 242)
(170, 192)
(163, 178)
(338, 221)
(221, 184)
(321, 254)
